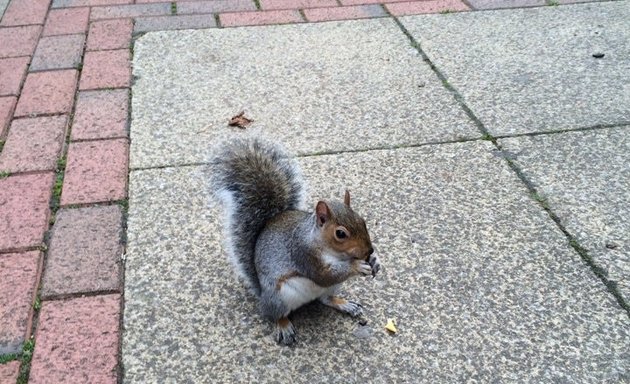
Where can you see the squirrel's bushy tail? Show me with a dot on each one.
(255, 180)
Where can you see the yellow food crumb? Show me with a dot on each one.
(391, 325)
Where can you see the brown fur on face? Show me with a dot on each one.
(333, 216)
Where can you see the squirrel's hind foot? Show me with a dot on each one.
(285, 333)
(352, 308)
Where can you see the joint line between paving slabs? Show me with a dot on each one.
(611, 286)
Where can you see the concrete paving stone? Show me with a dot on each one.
(84, 253)
(496, 4)
(25, 12)
(7, 104)
(130, 10)
(106, 69)
(188, 7)
(239, 19)
(110, 34)
(584, 176)
(18, 41)
(47, 92)
(533, 70)
(162, 23)
(19, 276)
(77, 341)
(430, 6)
(101, 114)
(12, 72)
(357, 83)
(482, 283)
(87, 3)
(58, 52)
(344, 13)
(9, 372)
(24, 210)
(96, 172)
(3, 6)
(66, 21)
(296, 4)
(34, 144)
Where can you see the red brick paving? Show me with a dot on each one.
(33, 144)
(260, 18)
(12, 73)
(106, 69)
(47, 92)
(427, 6)
(187, 7)
(20, 275)
(96, 172)
(344, 13)
(18, 41)
(7, 104)
(58, 52)
(77, 338)
(24, 12)
(84, 253)
(24, 210)
(77, 341)
(66, 21)
(9, 372)
(110, 34)
(101, 115)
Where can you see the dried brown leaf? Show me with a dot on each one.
(240, 121)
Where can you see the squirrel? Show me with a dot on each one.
(286, 255)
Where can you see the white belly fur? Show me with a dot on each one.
(298, 291)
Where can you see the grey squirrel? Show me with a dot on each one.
(286, 255)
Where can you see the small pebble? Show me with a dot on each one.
(611, 246)
(598, 55)
(363, 322)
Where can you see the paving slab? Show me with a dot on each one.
(482, 283)
(321, 87)
(584, 176)
(531, 70)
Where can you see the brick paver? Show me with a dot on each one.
(77, 341)
(188, 7)
(428, 6)
(18, 282)
(96, 171)
(58, 52)
(106, 69)
(18, 41)
(493, 4)
(296, 4)
(24, 12)
(161, 23)
(66, 21)
(130, 10)
(101, 115)
(84, 253)
(260, 18)
(85, 3)
(344, 13)
(12, 73)
(110, 34)
(47, 92)
(24, 210)
(7, 105)
(33, 144)
(9, 372)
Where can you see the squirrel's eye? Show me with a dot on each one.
(340, 234)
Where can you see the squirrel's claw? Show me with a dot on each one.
(285, 333)
(374, 264)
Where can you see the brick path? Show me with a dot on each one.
(65, 80)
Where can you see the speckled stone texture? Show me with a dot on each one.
(527, 70)
(9, 371)
(321, 87)
(481, 282)
(584, 176)
(77, 341)
(85, 250)
(18, 282)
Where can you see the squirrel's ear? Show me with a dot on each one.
(346, 198)
(322, 212)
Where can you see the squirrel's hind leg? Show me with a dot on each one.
(352, 308)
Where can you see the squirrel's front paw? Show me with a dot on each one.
(362, 267)
(375, 264)
(285, 333)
